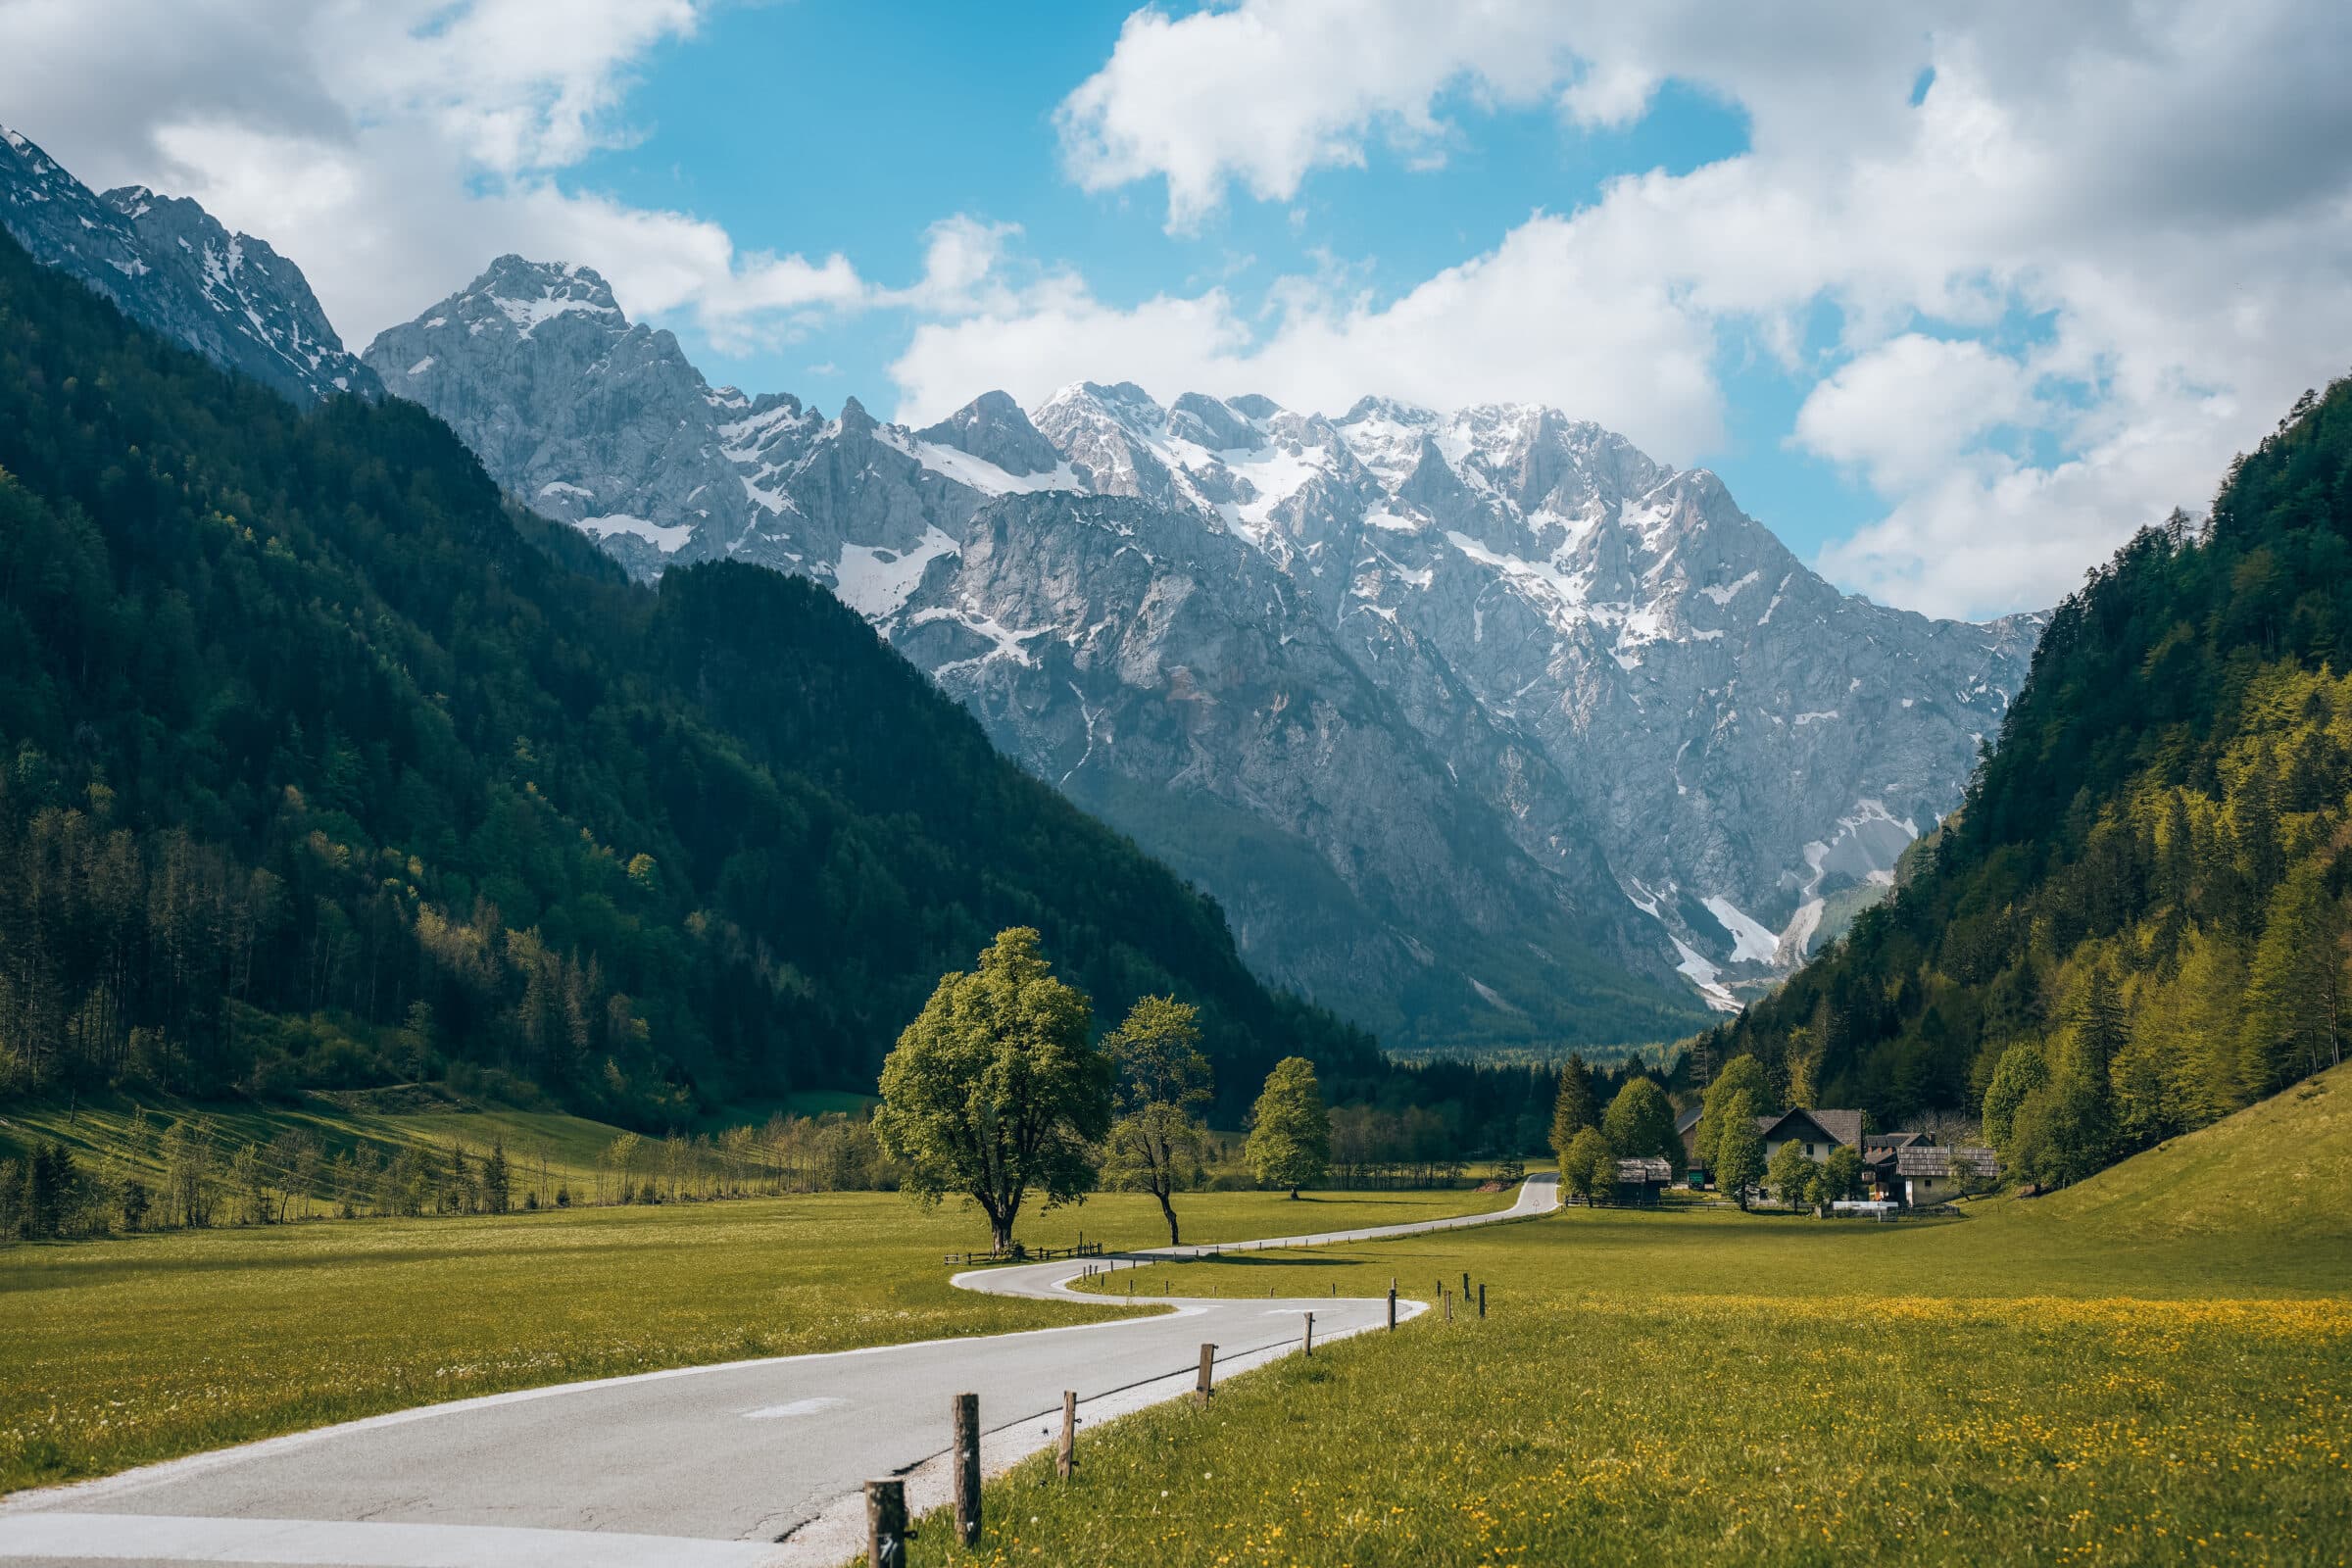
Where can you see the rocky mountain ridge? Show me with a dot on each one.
(1467, 717)
(171, 267)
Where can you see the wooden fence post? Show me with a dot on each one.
(967, 1468)
(1465, 1283)
(1310, 1332)
(1482, 1298)
(1208, 1363)
(1392, 1303)
(1068, 1461)
(1446, 1299)
(886, 1524)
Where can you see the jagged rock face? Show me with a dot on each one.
(1483, 726)
(1173, 680)
(169, 267)
(993, 428)
(586, 417)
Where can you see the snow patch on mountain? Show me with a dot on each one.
(1387, 635)
(877, 583)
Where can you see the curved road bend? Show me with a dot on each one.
(754, 1462)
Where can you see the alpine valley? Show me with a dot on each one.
(1485, 729)
(1483, 726)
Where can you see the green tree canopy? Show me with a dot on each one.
(1841, 1174)
(1573, 1109)
(1640, 1124)
(1742, 1075)
(1158, 1144)
(995, 1089)
(1738, 1160)
(1790, 1174)
(1589, 1167)
(1290, 1129)
(2023, 1068)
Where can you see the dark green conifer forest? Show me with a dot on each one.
(2137, 921)
(320, 765)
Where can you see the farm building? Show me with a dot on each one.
(1879, 1151)
(1818, 1131)
(1930, 1174)
(1641, 1181)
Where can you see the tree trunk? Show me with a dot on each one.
(1294, 1195)
(1169, 1209)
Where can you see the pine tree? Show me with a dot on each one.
(2294, 987)
(494, 1179)
(1572, 1109)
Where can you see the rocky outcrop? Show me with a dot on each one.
(169, 267)
(1484, 726)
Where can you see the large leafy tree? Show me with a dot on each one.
(1589, 1166)
(1742, 1076)
(1841, 1175)
(995, 1089)
(1158, 1142)
(1290, 1129)
(1640, 1124)
(1791, 1173)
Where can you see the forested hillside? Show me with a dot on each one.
(2138, 922)
(322, 765)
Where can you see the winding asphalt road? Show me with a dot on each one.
(754, 1462)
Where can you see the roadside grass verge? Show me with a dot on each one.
(121, 1352)
(2153, 1367)
(1701, 1386)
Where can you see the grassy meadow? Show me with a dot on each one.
(2153, 1367)
(548, 1150)
(118, 1352)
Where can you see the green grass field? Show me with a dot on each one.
(566, 1146)
(548, 1148)
(117, 1353)
(2154, 1367)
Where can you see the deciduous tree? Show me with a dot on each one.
(1290, 1129)
(1739, 1156)
(1640, 1124)
(995, 1090)
(1742, 1075)
(1158, 1144)
(1790, 1174)
(1589, 1167)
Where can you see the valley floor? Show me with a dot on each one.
(121, 1352)
(2129, 1373)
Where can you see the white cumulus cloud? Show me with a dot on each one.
(2165, 195)
(392, 147)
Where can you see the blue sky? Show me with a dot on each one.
(956, 113)
(1952, 301)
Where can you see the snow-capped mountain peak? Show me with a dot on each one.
(1376, 640)
(169, 265)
